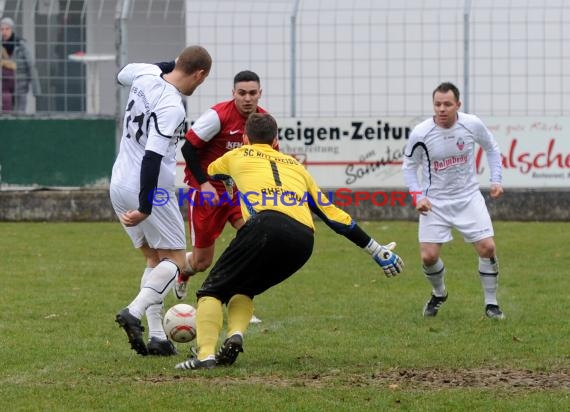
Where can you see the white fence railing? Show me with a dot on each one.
(332, 58)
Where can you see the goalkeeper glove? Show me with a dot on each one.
(390, 262)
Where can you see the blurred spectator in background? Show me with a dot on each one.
(23, 69)
(8, 69)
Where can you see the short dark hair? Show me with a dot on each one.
(261, 128)
(246, 76)
(194, 58)
(444, 88)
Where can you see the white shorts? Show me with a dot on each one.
(163, 229)
(469, 216)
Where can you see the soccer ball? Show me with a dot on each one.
(180, 323)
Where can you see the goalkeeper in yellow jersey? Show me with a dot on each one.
(277, 196)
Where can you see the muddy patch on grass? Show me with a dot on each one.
(475, 378)
(507, 379)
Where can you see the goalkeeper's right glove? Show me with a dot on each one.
(391, 263)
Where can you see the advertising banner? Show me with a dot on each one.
(368, 152)
(535, 152)
(349, 152)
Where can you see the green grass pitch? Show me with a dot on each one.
(337, 336)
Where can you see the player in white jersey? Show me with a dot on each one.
(443, 148)
(142, 185)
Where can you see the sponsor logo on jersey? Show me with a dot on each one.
(233, 145)
(232, 132)
(448, 162)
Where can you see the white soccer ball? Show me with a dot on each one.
(180, 323)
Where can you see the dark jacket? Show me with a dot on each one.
(26, 71)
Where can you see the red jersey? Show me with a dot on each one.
(217, 131)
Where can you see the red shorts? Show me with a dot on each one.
(206, 221)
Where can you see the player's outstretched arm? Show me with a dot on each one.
(343, 224)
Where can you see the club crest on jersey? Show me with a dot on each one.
(460, 144)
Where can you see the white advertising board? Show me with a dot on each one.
(368, 152)
(535, 151)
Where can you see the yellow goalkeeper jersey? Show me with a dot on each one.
(270, 180)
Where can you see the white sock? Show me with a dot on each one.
(157, 285)
(154, 320)
(435, 275)
(153, 313)
(145, 275)
(489, 274)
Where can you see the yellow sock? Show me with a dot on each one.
(209, 320)
(240, 309)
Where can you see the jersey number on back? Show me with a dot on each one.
(139, 119)
(275, 171)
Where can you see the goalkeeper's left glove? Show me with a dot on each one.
(391, 263)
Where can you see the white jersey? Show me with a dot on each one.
(447, 158)
(154, 120)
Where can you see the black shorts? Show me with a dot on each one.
(268, 249)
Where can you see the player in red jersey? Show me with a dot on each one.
(217, 131)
